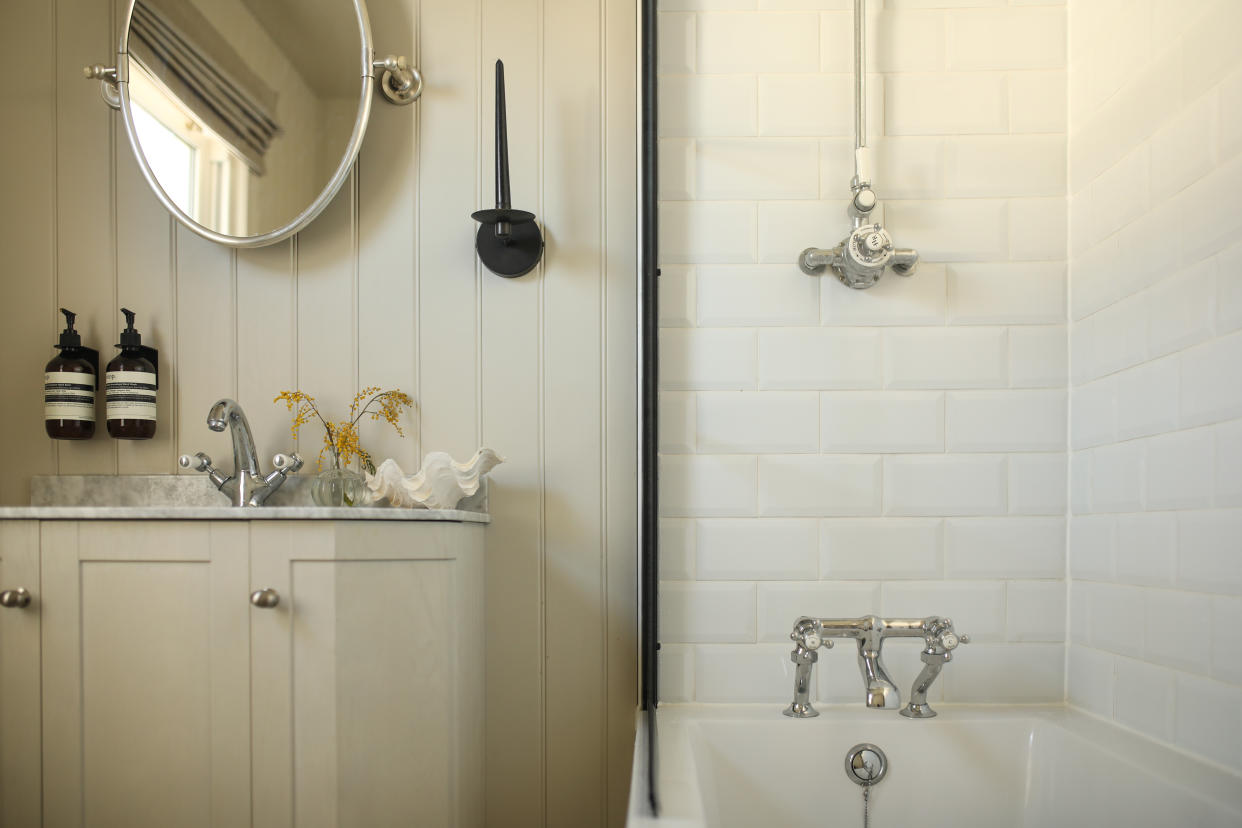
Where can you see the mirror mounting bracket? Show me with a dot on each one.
(401, 83)
(107, 83)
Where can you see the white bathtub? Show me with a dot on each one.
(747, 766)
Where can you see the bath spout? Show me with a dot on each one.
(882, 694)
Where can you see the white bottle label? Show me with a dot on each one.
(130, 395)
(69, 395)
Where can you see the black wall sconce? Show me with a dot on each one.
(509, 242)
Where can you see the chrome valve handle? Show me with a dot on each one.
(15, 598)
(951, 640)
(287, 463)
(199, 462)
(942, 637)
(265, 598)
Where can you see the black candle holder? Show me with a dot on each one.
(509, 242)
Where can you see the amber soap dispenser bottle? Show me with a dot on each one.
(69, 383)
(132, 381)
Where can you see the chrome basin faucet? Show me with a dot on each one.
(809, 634)
(247, 486)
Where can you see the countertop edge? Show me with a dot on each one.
(235, 513)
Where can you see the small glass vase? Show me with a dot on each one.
(338, 487)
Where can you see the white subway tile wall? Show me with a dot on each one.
(895, 450)
(1155, 224)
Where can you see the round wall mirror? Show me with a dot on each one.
(245, 115)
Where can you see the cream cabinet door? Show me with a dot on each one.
(361, 716)
(146, 674)
(20, 740)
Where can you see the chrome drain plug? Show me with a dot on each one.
(865, 764)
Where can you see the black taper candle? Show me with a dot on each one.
(503, 201)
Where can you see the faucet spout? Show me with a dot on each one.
(228, 414)
(881, 693)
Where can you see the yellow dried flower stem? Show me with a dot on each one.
(341, 439)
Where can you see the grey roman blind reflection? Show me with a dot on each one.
(184, 52)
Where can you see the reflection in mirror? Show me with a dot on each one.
(244, 109)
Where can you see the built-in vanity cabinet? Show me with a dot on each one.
(170, 696)
(20, 766)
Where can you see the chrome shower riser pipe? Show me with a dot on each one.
(860, 74)
(868, 251)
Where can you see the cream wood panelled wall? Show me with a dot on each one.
(384, 289)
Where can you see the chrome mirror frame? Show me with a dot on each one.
(401, 84)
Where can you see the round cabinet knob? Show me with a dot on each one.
(15, 598)
(265, 598)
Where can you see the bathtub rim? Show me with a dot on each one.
(681, 798)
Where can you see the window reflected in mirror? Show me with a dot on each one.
(198, 169)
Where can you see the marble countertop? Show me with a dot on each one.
(193, 497)
(234, 513)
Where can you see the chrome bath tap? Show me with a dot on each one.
(247, 486)
(809, 634)
(940, 641)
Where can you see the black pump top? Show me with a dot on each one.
(69, 338)
(130, 338)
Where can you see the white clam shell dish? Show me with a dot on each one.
(440, 484)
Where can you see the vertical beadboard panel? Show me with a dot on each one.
(27, 237)
(388, 235)
(267, 342)
(384, 288)
(620, 321)
(327, 314)
(511, 319)
(573, 444)
(447, 165)
(145, 285)
(206, 367)
(144, 233)
(86, 253)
